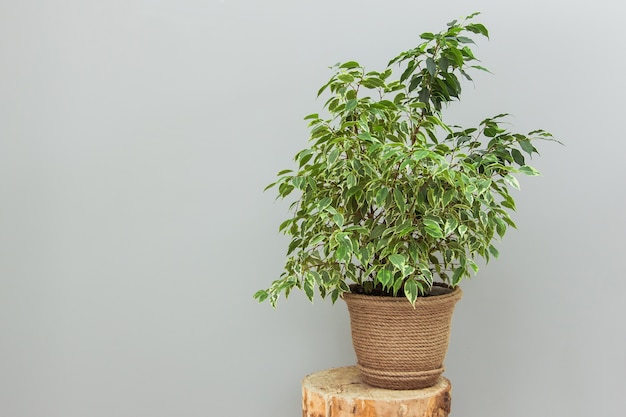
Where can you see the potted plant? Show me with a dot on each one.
(395, 204)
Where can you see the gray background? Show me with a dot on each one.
(136, 137)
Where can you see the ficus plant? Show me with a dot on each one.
(391, 197)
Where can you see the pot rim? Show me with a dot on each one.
(455, 293)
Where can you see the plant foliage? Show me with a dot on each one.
(390, 196)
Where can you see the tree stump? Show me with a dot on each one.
(339, 392)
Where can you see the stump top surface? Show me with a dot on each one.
(346, 382)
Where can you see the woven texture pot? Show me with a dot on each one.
(398, 346)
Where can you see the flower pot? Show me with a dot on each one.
(398, 346)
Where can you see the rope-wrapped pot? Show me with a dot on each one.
(398, 346)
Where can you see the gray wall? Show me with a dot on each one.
(136, 137)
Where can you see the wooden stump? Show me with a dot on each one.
(339, 392)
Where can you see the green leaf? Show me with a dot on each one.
(478, 67)
(448, 195)
(323, 88)
(527, 146)
(511, 180)
(345, 77)
(398, 261)
(399, 198)
(500, 226)
(351, 180)
(483, 217)
(410, 291)
(385, 277)
(317, 239)
(450, 226)
(261, 295)
(349, 65)
(343, 239)
(284, 224)
(456, 56)
(332, 157)
(517, 157)
(381, 196)
(323, 203)
(351, 105)
(342, 253)
(363, 255)
(305, 158)
(407, 271)
(431, 66)
(421, 154)
(494, 251)
(373, 82)
(365, 136)
(473, 265)
(309, 286)
(397, 284)
(410, 68)
(510, 222)
(466, 75)
(482, 186)
(378, 230)
(295, 243)
(456, 275)
(316, 276)
(413, 252)
(338, 219)
(433, 228)
(299, 182)
(508, 202)
(478, 28)
(528, 170)
(464, 39)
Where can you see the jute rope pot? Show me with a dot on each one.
(398, 346)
